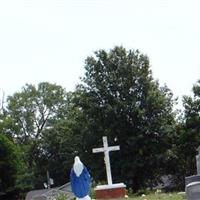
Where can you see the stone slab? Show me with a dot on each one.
(193, 191)
(116, 185)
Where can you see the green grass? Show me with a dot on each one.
(156, 195)
(160, 196)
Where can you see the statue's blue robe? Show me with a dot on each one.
(80, 184)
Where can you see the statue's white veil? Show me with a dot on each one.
(78, 166)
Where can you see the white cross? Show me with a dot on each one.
(106, 150)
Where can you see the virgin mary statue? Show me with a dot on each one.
(80, 180)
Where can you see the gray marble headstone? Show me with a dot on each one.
(34, 193)
(193, 182)
(198, 161)
(49, 194)
(193, 191)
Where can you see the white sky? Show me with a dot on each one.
(48, 40)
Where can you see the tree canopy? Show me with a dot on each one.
(29, 115)
(9, 164)
(43, 127)
(187, 138)
(119, 98)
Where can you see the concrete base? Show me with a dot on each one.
(113, 191)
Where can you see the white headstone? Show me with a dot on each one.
(106, 149)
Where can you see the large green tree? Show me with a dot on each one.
(61, 145)
(33, 108)
(188, 135)
(192, 110)
(28, 117)
(119, 98)
(9, 164)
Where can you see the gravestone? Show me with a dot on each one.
(110, 190)
(49, 194)
(193, 191)
(193, 182)
(198, 161)
(34, 193)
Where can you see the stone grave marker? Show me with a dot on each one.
(193, 182)
(193, 191)
(198, 161)
(50, 194)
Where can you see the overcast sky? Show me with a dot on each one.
(48, 40)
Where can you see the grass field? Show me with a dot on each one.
(160, 196)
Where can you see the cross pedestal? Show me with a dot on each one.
(110, 190)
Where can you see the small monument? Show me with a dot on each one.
(80, 180)
(117, 190)
(193, 182)
(198, 161)
(53, 193)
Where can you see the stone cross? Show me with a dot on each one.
(106, 149)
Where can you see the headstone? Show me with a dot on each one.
(110, 190)
(35, 193)
(193, 182)
(198, 161)
(47, 194)
(193, 191)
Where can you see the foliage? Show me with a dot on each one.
(9, 164)
(188, 137)
(33, 108)
(29, 116)
(43, 127)
(120, 99)
(62, 196)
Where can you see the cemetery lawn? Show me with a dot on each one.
(161, 196)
